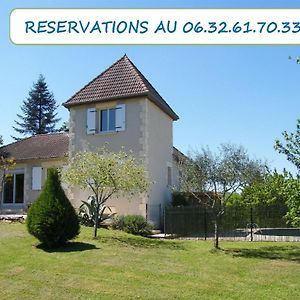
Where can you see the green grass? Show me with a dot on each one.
(122, 266)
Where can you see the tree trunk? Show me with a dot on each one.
(216, 241)
(95, 230)
(96, 222)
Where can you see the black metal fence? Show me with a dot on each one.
(237, 222)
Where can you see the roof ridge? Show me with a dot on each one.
(53, 133)
(48, 133)
(29, 137)
(137, 73)
(26, 138)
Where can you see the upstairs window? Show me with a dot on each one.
(105, 120)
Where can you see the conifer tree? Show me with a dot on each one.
(38, 111)
(52, 218)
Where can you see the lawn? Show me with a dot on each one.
(122, 266)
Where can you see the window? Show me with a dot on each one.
(107, 120)
(13, 192)
(9, 189)
(19, 188)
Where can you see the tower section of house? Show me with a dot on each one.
(120, 109)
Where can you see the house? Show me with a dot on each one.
(120, 109)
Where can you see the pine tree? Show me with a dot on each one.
(38, 111)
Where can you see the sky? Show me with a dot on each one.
(245, 95)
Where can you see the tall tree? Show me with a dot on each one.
(38, 111)
(218, 177)
(290, 146)
(64, 127)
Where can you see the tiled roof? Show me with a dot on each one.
(121, 80)
(178, 156)
(41, 146)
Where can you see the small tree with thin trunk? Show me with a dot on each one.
(217, 177)
(105, 174)
(6, 163)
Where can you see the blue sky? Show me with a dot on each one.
(241, 94)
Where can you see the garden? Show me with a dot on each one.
(124, 266)
(69, 261)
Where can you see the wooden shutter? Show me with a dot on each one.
(36, 178)
(91, 121)
(120, 117)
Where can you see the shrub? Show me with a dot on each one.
(133, 224)
(51, 218)
(88, 211)
(179, 199)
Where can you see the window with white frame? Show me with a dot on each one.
(106, 120)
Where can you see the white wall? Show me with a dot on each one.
(159, 144)
(129, 140)
(29, 194)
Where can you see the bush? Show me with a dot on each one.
(88, 210)
(179, 199)
(118, 223)
(51, 218)
(133, 224)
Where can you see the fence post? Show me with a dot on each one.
(160, 216)
(251, 224)
(205, 225)
(164, 216)
(147, 212)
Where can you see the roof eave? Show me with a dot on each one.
(71, 104)
(22, 160)
(168, 110)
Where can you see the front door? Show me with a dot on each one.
(13, 192)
